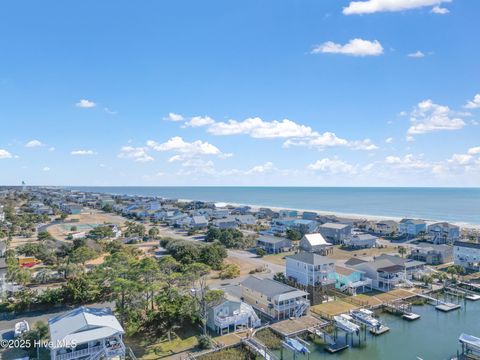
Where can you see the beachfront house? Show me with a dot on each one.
(274, 299)
(309, 215)
(443, 233)
(315, 243)
(304, 226)
(335, 233)
(432, 254)
(274, 244)
(467, 255)
(384, 227)
(309, 269)
(95, 332)
(231, 316)
(247, 219)
(361, 241)
(412, 227)
(286, 213)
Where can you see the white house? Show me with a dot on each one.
(467, 255)
(231, 316)
(363, 241)
(307, 268)
(315, 243)
(86, 333)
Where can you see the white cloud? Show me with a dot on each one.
(473, 104)
(332, 166)
(82, 152)
(261, 169)
(355, 47)
(389, 140)
(186, 150)
(34, 143)
(440, 10)
(173, 117)
(46, 168)
(428, 117)
(409, 161)
(461, 159)
(138, 154)
(4, 154)
(257, 128)
(416, 54)
(51, 148)
(108, 111)
(374, 6)
(474, 150)
(366, 144)
(86, 104)
(198, 121)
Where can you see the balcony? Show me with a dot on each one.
(95, 352)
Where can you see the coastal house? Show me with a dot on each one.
(265, 213)
(246, 219)
(361, 241)
(220, 213)
(336, 233)
(410, 267)
(304, 226)
(384, 227)
(384, 275)
(231, 316)
(2, 213)
(86, 333)
(432, 254)
(274, 299)
(315, 243)
(281, 225)
(274, 244)
(351, 280)
(443, 233)
(286, 213)
(467, 255)
(309, 215)
(226, 223)
(309, 269)
(412, 227)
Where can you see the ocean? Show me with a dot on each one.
(458, 205)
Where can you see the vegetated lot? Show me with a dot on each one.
(278, 259)
(235, 353)
(332, 308)
(341, 254)
(269, 338)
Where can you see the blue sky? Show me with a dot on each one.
(351, 93)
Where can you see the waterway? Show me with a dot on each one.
(432, 337)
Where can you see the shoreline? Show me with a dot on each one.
(352, 216)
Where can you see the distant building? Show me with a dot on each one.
(336, 233)
(309, 215)
(231, 316)
(385, 227)
(361, 241)
(2, 213)
(443, 233)
(467, 255)
(310, 269)
(287, 213)
(227, 223)
(274, 299)
(304, 226)
(71, 209)
(412, 227)
(274, 244)
(199, 222)
(86, 333)
(432, 254)
(315, 243)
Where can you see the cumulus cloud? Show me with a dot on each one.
(173, 117)
(34, 143)
(428, 117)
(82, 152)
(374, 6)
(409, 161)
(186, 150)
(474, 150)
(473, 104)
(86, 104)
(46, 168)
(416, 54)
(198, 121)
(440, 10)
(389, 140)
(261, 169)
(355, 47)
(461, 159)
(332, 166)
(4, 154)
(138, 154)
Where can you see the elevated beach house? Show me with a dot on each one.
(274, 299)
(86, 333)
(412, 227)
(336, 233)
(432, 254)
(315, 243)
(361, 241)
(443, 233)
(310, 269)
(231, 316)
(467, 255)
(274, 244)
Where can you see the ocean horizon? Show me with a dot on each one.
(458, 205)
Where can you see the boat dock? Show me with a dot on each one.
(440, 304)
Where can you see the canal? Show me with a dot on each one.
(432, 337)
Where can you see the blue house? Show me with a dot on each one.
(350, 280)
(412, 227)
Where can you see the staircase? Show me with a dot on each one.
(300, 308)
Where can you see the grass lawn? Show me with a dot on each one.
(269, 338)
(277, 258)
(150, 349)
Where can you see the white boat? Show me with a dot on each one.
(364, 316)
(346, 325)
(21, 327)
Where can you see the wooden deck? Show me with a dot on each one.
(296, 326)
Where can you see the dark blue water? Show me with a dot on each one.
(449, 204)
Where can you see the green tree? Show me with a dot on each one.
(82, 254)
(230, 271)
(280, 277)
(402, 251)
(260, 252)
(293, 235)
(153, 232)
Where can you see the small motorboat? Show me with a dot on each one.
(21, 328)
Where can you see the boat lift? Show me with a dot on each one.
(296, 346)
